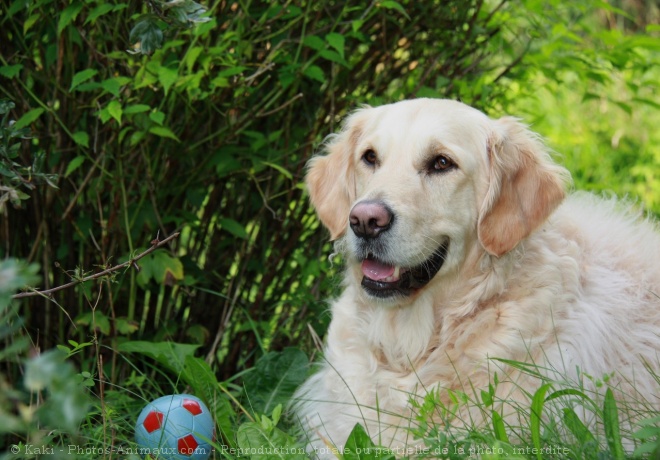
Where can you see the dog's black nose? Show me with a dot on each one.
(369, 219)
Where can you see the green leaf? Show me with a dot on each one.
(167, 77)
(315, 73)
(81, 138)
(172, 355)
(163, 131)
(274, 379)
(103, 8)
(391, 5)
(611, 422)
(115, 110)
(232, 71)
(167, 268)
(68, 15)
(66, 402)
(28, 118)
(94, 320)
(114, 85)
(487, 398)
(577, 427)
(10, 71)
(233, 227)
(314, 42)
(359, 446)
(88, 86)
(41, 370)
(157, 117)
(161, 267)
(649, 102)
(126, 326)
(73, 165)
(201, 378)
(538, 401)
(261, 444)
(82, 76)
(191, 57)
(336, 41)
(136, 108)
(16, 7)
(279, 168)
(625, 107)
(498, 428)
(334, 57)
(29, 22)
(146, 272)
(146, 37)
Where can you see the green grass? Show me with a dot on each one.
(66, 413)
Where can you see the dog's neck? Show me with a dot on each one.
(400, 334)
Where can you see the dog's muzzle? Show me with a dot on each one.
(383, 280)
(370, 220)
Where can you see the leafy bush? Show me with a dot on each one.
(206, 135)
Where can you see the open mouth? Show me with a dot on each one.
(383, 280)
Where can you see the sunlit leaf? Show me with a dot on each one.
(157, 117)
(136, 108)
(167, 77)
(163, 131)
(337, 42)
(81, 138)
(115, 110)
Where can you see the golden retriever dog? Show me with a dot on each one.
(461, 245)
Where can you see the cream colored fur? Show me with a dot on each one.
(567, 283)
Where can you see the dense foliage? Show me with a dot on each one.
(207, 136)
(124, 124)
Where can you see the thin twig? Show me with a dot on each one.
(155, 244)
(287, 103)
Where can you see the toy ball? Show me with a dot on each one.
(175, 427)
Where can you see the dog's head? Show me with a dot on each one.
(414, 186)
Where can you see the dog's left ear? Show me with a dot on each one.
(525, 186)
(331, 178)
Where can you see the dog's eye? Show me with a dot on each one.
(370, 157)
(441, 163)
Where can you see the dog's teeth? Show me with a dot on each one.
(397, 271)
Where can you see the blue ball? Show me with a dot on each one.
(175, 427)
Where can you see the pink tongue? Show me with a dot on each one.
(375, 270)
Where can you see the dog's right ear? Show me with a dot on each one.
(525, 187)
(331, 179)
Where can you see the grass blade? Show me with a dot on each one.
(611, 421)
(498, 428)
(537, 409)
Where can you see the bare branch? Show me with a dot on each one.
(155, 244)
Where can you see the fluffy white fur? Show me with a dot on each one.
(569, 283)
